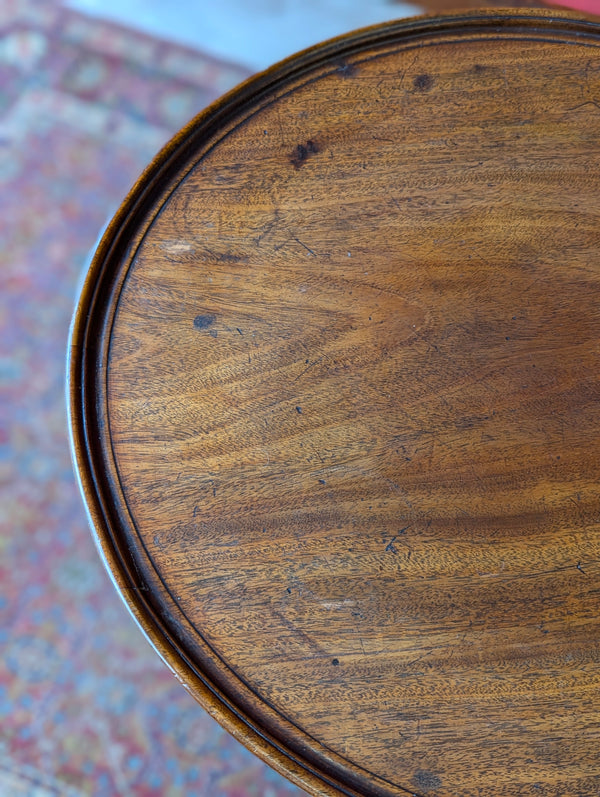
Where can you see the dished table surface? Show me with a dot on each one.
(334, 398)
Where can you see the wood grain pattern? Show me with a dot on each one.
(334, 397)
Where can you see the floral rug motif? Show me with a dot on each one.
(86, 706)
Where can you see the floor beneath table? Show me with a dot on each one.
(256, 33)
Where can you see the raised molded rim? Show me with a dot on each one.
(303, 760)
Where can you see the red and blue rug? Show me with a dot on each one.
(86, 706)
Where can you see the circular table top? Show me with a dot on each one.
(334, 390)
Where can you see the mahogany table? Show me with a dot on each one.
(334, 395)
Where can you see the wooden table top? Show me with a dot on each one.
(334, 385)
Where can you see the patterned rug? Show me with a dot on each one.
(86, 706)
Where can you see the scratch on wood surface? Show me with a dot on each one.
(312, 365)
(308, 249)
(338, 604)
(595, 103)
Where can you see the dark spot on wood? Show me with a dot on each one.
(204, 321)
(227, 257)
(289, 591)
(425, 781)
(335, 662)
(322, 481)
(347, 70)
(423, 82)
(213, 333)
(303, 152)
(479, 68)
(299, 410)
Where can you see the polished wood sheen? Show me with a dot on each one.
(335, 383)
